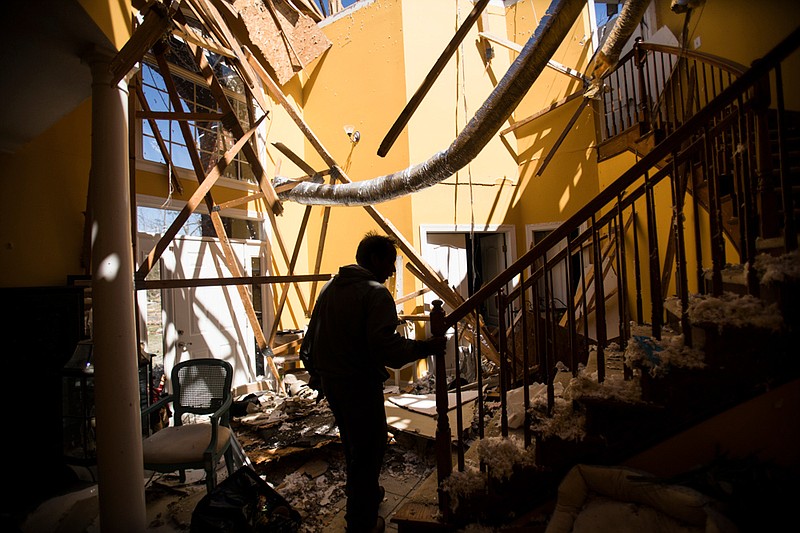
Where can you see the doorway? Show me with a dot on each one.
(468, 259)
(208, 321)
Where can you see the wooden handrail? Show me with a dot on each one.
(662, 150)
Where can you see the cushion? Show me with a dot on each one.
(182, 444)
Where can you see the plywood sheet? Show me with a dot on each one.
(287, 39)
(402, 419)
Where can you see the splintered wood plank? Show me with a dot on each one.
(162, 146)
(448, 294)
(551, 107)
(287, 38)
(178, 115)
(433, 74)
(264, 183)
(241, 200)
(191, 204)
(216, 220)
(218, 92)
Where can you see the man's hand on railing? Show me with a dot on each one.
(435, 345)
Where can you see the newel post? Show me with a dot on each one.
(640, 58)
(444, 464)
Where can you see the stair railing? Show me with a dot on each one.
(657, 87)
(610, 253)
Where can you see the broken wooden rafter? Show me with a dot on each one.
(216, 220)
(143, 284)
(555, 65)
(218, 92)
(178, 115)
(191, 36)
(555, 105)
(294, 158)
(411, 296)
(429, 80)
(435, 281)
(191, 204)
(157, 22)
(224, 35)
(584, 103)
(162, 146)
(241, 200)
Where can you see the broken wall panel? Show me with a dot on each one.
(287, 38)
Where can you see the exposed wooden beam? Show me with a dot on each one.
(142, 284)
(563, 135)
(551, 107)
(193, 37)
(411, 296)
(177, 115)
(427, 83)
(241, 200)
(162, 146)
(216, 220)
(157, 21)
(555, 65)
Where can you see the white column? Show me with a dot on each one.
(119, 434)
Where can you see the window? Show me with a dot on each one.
(155, 221)
(210, 137)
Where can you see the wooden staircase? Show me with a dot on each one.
(624, 421)
(694, 379)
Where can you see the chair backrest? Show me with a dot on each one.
(200, 386)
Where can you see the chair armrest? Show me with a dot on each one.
(222, 410)
(158, 405)
(214, 419)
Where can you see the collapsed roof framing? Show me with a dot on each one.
(159, 20)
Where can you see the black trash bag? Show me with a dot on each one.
(244, 503)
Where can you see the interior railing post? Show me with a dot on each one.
(747, 220)
(501, 305)
(479, 371)
(514, 363)
(717, 240)
(789, 231)
(444, 459)
(584, 310)
(640, 56)
(698, 235)
(637, 267)
(656, 296)
(681, 276)
(599, 303)
(459, 416)
(573, 348)
(526, 428)
(550, 335)
(622, 286)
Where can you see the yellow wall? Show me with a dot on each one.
(42, 223)
(41, 232)
(741, 31)
(111, 16)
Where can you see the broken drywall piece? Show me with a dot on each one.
(287, 38)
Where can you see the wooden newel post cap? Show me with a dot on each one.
(437, 319)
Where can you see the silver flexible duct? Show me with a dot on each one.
(630, 16)
(533, 58)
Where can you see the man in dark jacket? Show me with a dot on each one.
(351, 339)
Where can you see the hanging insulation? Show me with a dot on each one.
(533, 58)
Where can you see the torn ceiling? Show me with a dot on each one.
(287, 38)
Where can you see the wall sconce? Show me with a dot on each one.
(353, 133)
